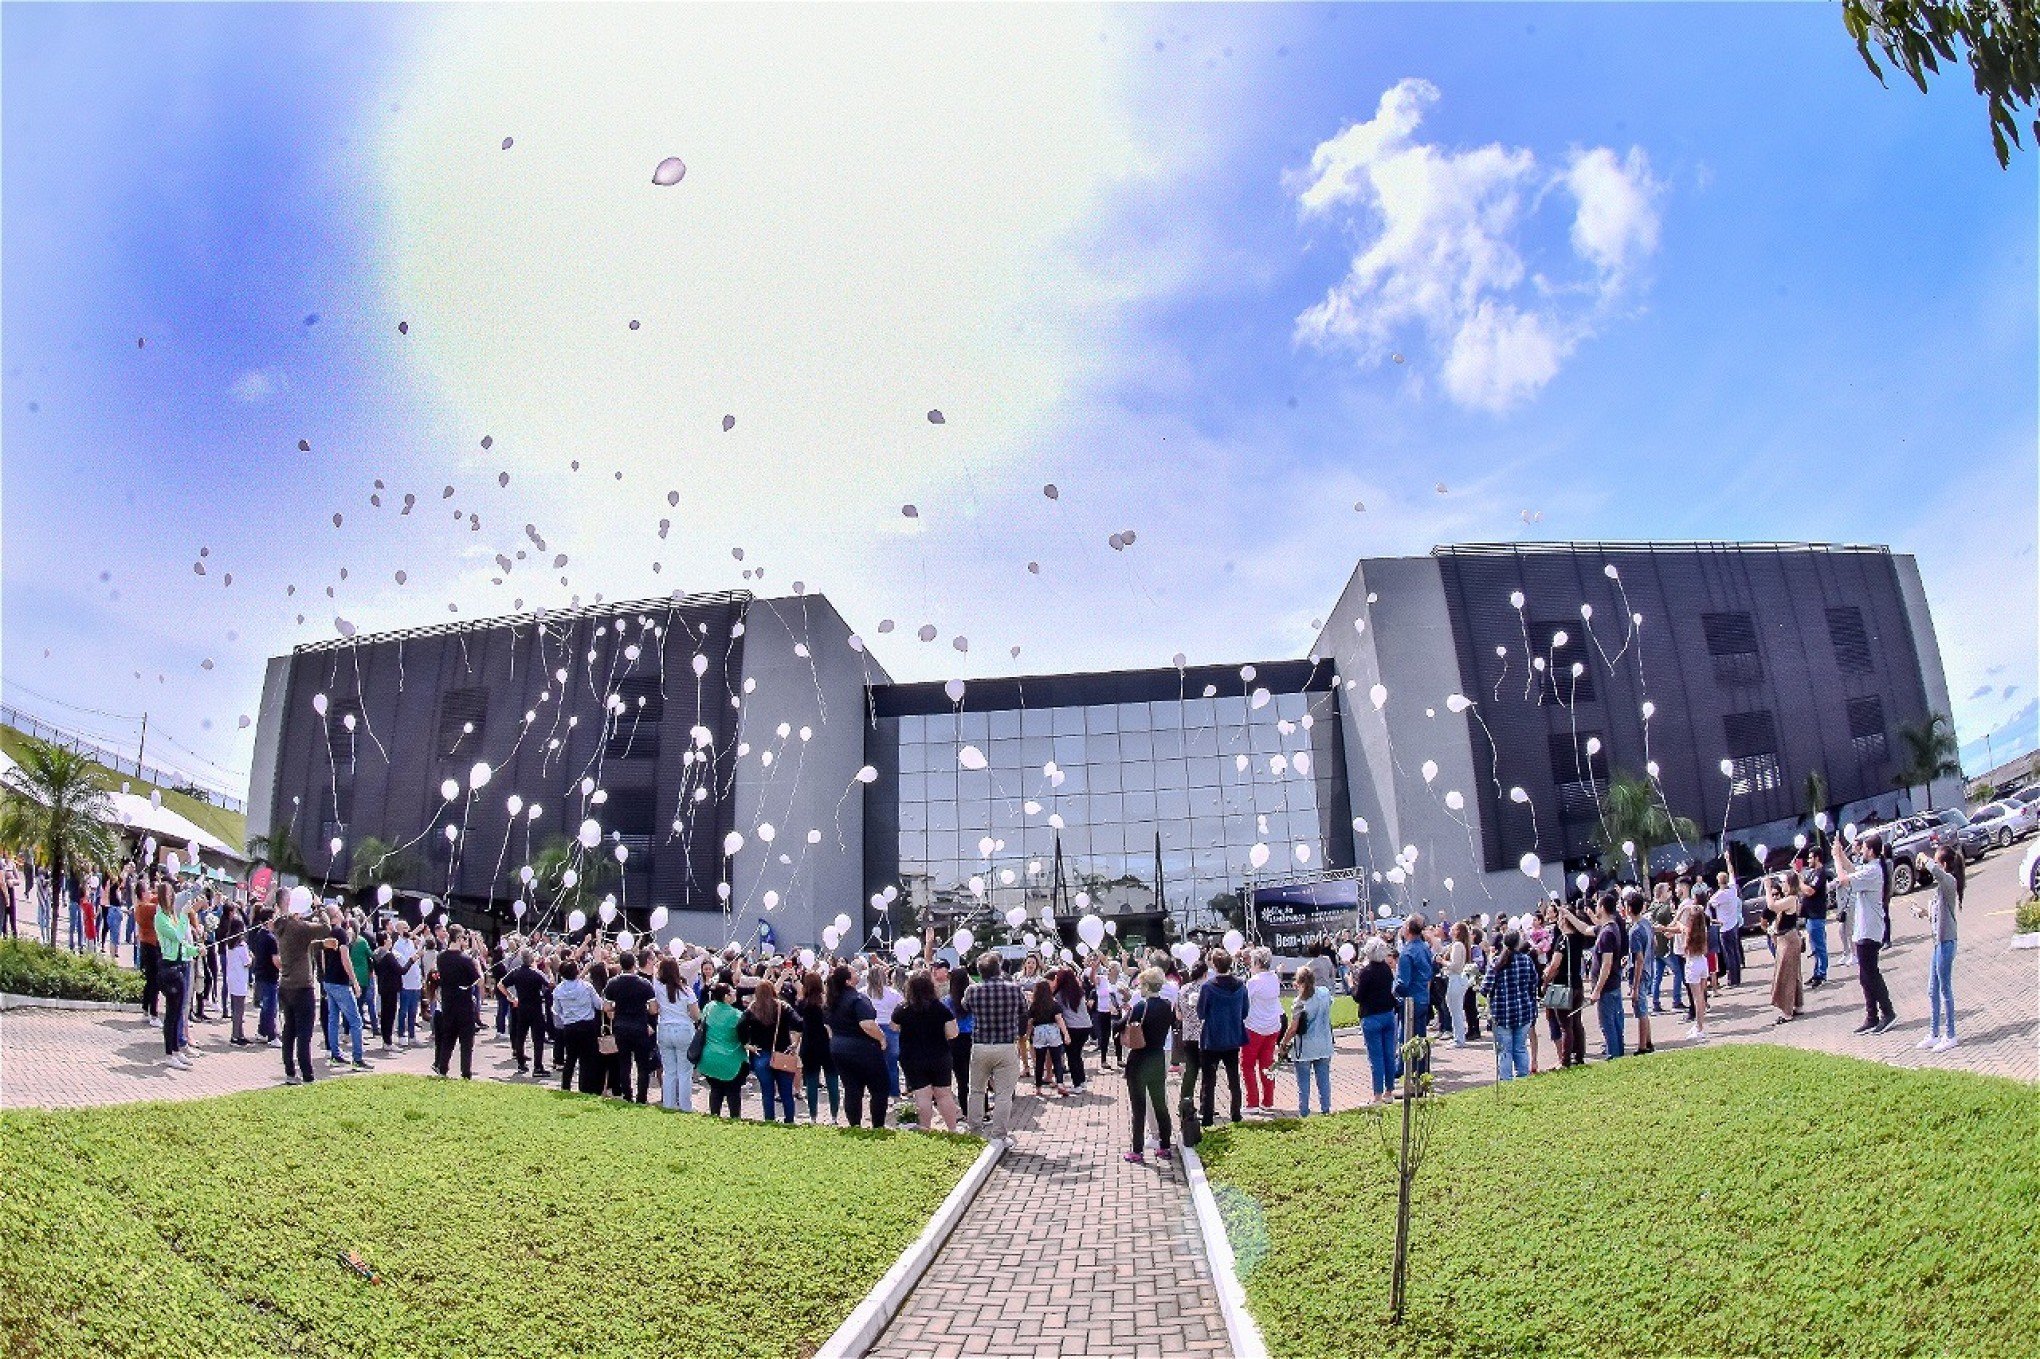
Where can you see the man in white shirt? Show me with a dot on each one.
(1726, 907)
(1861, 876)
(406, 953)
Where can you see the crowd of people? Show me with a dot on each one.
(861, 1040)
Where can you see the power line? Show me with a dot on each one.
(74, 707)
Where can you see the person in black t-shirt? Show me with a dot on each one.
(628, 997)
(1604, 976)
(457, 983)
(1813, 909)
(926, 1028)
(1567, 968)
(524, 986)
(263, 970)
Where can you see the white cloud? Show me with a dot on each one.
(1443, 236)
(253, 387)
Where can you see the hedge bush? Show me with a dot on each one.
(503, 1220)
(2028, 919)
(31, 969)
(1741, 1200)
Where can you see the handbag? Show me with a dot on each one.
(1559, 996)
(606, 1043)
(785, 1059)
(697, 1045)
(1134, 1037)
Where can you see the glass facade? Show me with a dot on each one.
(1110, 791)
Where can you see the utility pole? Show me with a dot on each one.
(142, 745)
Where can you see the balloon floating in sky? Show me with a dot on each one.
(729, 422)
(935, 417)
(970, 757)
(669, 172)
(1531, 865)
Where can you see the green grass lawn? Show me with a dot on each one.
(504, 1220)
(1745, 1200)
(1345, 1010)
(231, 827)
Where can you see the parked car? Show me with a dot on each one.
(2026, 796)
(1923, 833)
(2006, 820)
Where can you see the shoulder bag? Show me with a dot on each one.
(786, 1059)
(1134, 1036)
(698, 1044)
(606, 1043)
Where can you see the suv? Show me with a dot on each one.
(1910, 836)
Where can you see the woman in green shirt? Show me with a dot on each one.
(173, 937)
(722, 1056)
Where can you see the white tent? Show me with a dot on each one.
(173, 830)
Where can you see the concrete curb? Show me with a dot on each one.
(862, 1328)
(1232, 1298)
(2024, 941)
(13, 1002)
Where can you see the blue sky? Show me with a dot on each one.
(1710, 280)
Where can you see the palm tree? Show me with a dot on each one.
(376, 861)
(52, 802)
(1930, 753)
(1633, 814)
(280, 852)
(592, 873)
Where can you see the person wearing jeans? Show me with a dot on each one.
(1373, 988)
(1511, 988)
(1946, 869)
(1605, 970)
(1813, 913)
(1147, 1066)
(341, 987)
(1308, 1036)
(1413, 972)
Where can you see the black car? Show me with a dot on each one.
(1923, 833)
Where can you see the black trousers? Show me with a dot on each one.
(578, 1052)
(634, 1047)
(1472, 1013)
(1876, 995)
(1075, 1053)
(725, 1095)
(297, 1031)
(1208, 1063)
(448, 1033)
(523, 1026)
(1732, 955)
(1147, 1085)
(173, 1007)
(1186, 1099)
(386, 1018)
(863, 1073)
(149, 956)
(959, 1061)
(1044, 1058)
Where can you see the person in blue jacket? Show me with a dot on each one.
(1413, 970)
(1222, 1008)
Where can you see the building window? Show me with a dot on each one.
(1559, 684)
(1851, 639)
(1580, 777)
(463, 713)
(338, 805)
(1732, 642)
(1752, 739)
(1866, 729)
(634, 732)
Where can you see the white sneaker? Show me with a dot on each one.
(1948, 1044)
(1932, 1040)
(180, 1062)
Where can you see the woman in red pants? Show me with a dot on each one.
(1264, 1025)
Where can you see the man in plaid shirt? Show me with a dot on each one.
(1511, 989)
(998, 1012)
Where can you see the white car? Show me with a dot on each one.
(2006, 820)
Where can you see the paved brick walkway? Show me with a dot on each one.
(1071, 1252)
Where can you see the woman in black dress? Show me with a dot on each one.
(926, 1028)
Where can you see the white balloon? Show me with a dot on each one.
(626, 940)
(954, 689)
(1397, 876)
(1581, 882)
(1030, 939)
(1302, 853)
(1258, 856)
(1016, 916)
(1112, 928)
(732, 842)
(976, 884)
(607, 910)
(1448, 884)
(970, 757)
(517, 908)
(843, 920)
(700, 665)
(1457, 703)
(1763, 852)
(1083, 949)
(1518, 795)
(1515, 599)
(622, 853)
(1650, 767)
(587, 785)
(568, 877)
(1560, 638)
(576, 921)
(1360, 824)
(1378, 696)
(383, 894)
(906, 948)
(1799, 841)
(660, 915)
(1091, 930)
(1233, 940)
(452, 834)
(449, 789)
(1649, 710)
(1629, 849)
(590, 834)
(1531, 865)
(478, 777)
(807, 957)
(1429, 770)
(332, 845)
(532, 812)
(1820, 821)
(319, 704)
(1347, 952)
(766, 832)
(425, 906)
(1728, 768)
(962, 940)
(1455, 800)
(515, 804)
(867, 775)
(829, 937)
